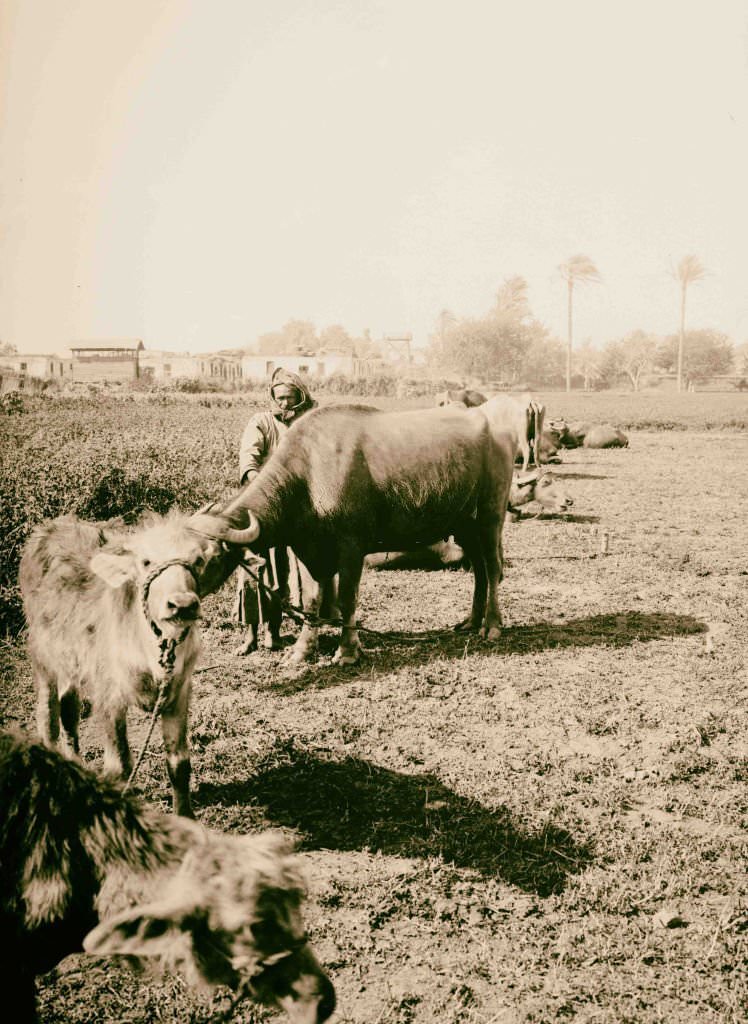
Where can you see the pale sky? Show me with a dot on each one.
(195, 173)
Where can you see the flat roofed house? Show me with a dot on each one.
(108, 361)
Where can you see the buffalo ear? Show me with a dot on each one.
(115, 570)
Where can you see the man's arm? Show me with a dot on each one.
(254, 446)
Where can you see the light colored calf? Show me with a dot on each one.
(113, 615)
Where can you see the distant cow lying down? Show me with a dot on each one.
(223, 910)
(586, 435)
(535, 485)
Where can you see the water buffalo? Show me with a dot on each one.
(104, 608)
(541, 486)
(586, 435)
(350, 480)
(605, 436)
(74, 850)
(567, 435)
(523, 415)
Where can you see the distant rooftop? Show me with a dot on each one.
(127, 345)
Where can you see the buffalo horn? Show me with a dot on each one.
(218, 528)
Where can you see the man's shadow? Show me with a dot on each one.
(357, 805)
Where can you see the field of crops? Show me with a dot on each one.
(550, 827)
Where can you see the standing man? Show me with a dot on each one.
(289, 399)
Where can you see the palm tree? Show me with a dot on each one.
(689, 270)
(511, 298)
(577, 268)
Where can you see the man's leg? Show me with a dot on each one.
(247, 610)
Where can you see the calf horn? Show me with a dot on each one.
(217, 528)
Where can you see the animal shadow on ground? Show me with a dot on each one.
(580, 476)
(356, 805)
(557, 517)
(617, 629)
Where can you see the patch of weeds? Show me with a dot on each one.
(686, 769)
(403, 1011)
(602, 725)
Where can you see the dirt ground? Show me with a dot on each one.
(550, 827)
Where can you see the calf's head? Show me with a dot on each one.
(169, 564)
(230, 916)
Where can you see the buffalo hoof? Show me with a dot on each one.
(299, 655)
(347, 657)
(491, 632)
(466, 626)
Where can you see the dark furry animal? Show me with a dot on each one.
(222, 909)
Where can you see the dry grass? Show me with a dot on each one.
(553, 827)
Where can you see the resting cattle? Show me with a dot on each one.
(541, 486)
(605, 436)
(112, 615)
(221, 909)
(462, 396)
(566, 435)
(350, 480)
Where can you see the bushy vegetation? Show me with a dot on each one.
(99, 458)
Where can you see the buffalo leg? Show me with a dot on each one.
(174, 730)
(349, 650)
(471, 545)
(493, 552)
(305, 647)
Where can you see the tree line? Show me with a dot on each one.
(510, 346)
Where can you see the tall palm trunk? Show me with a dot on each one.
(681, 335)
(569, 336)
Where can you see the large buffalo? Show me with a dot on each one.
(350, 480)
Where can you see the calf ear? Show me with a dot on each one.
(113, 569)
